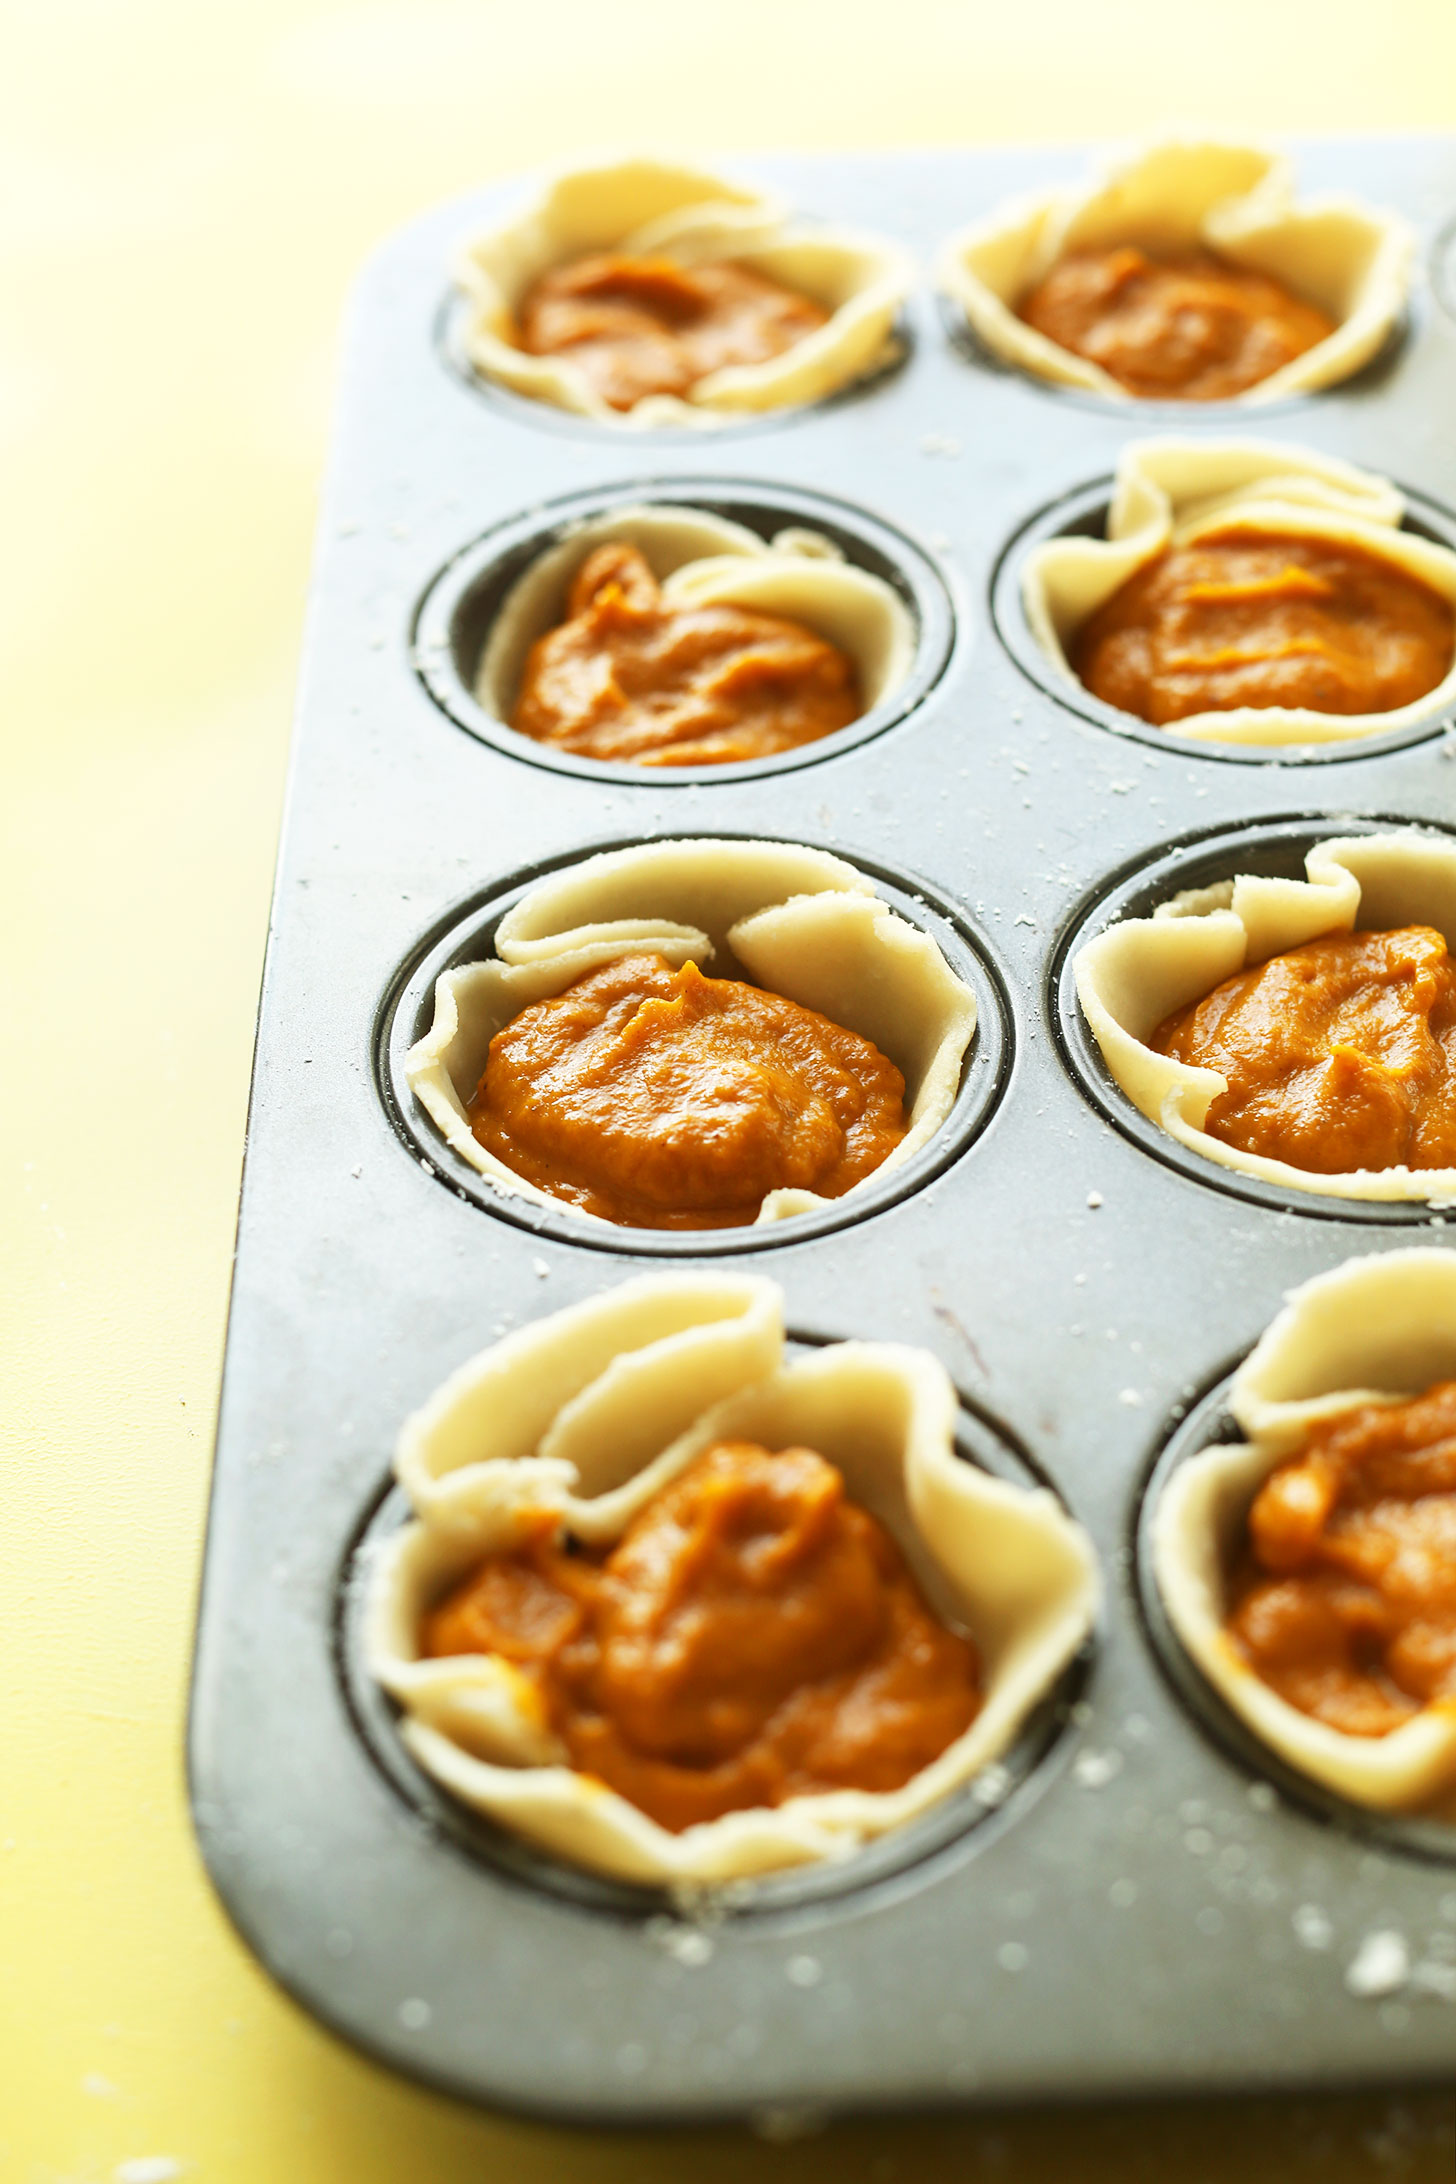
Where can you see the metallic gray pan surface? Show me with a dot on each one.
(1151, 1908)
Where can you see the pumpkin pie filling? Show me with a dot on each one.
(1252, 618)
(753, 1636)
(1345, 1599)
(1190, 329)
(1339, 1055)
(642, 326)
(627, 676)
(658, 1098)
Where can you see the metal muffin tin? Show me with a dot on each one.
(1142, 1901)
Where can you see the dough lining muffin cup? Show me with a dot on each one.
(1169, 492)
(1175, 196)
(647, 207)
(795, 921)
(1375, 1330)
(1136, 973)
(590, 1414)
(701, 559)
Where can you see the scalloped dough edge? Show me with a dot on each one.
(1375, 1330)
(640, 206)
(795, 921)
(1170, 491)
(1005, 1561)
(1177, 194)
(701, 559)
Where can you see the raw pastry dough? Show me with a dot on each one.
(797, 922)
(591, 1413)
(1170, 491)
(1176, 196)
(1374, 1330)
(645, 207)
(1134, 975)
(700, 560)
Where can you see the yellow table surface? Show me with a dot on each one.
(185, 191)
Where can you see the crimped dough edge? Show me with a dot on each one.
(1377, 1329)
(1173, 194)
(702, 559)
(646, 205)
(797, 922)
(1169, 491)
(690, 1360)
(1133, 976)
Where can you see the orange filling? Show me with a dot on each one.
(1189, 329)
(753, 1636)
(1253, 618)
(625, 677)
(663, 1099)
(640, 326)
(1346, 1601)
(1339, 1055)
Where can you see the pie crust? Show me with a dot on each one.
(1375, 1330)
(651, 207)
(1136, 973)
(591, 1413)
(795, 921)
(1179, 195)
(1170, 491)
(704, 560)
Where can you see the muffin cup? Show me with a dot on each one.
(1176, 196)
(795, 921)
(644, 207)
(634, 1374)
(1375, 1330)
(1132, 977)
(1171, 492)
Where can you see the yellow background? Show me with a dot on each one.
(185, 191)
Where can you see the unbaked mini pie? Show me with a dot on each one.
(650, 294)
(696, 1034)
(1187, 271)
(656, 1563)
(1310, 1569)
(669, 636)
(1299, 1031)
(1247, 592)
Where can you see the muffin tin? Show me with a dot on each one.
(1140, 1901)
